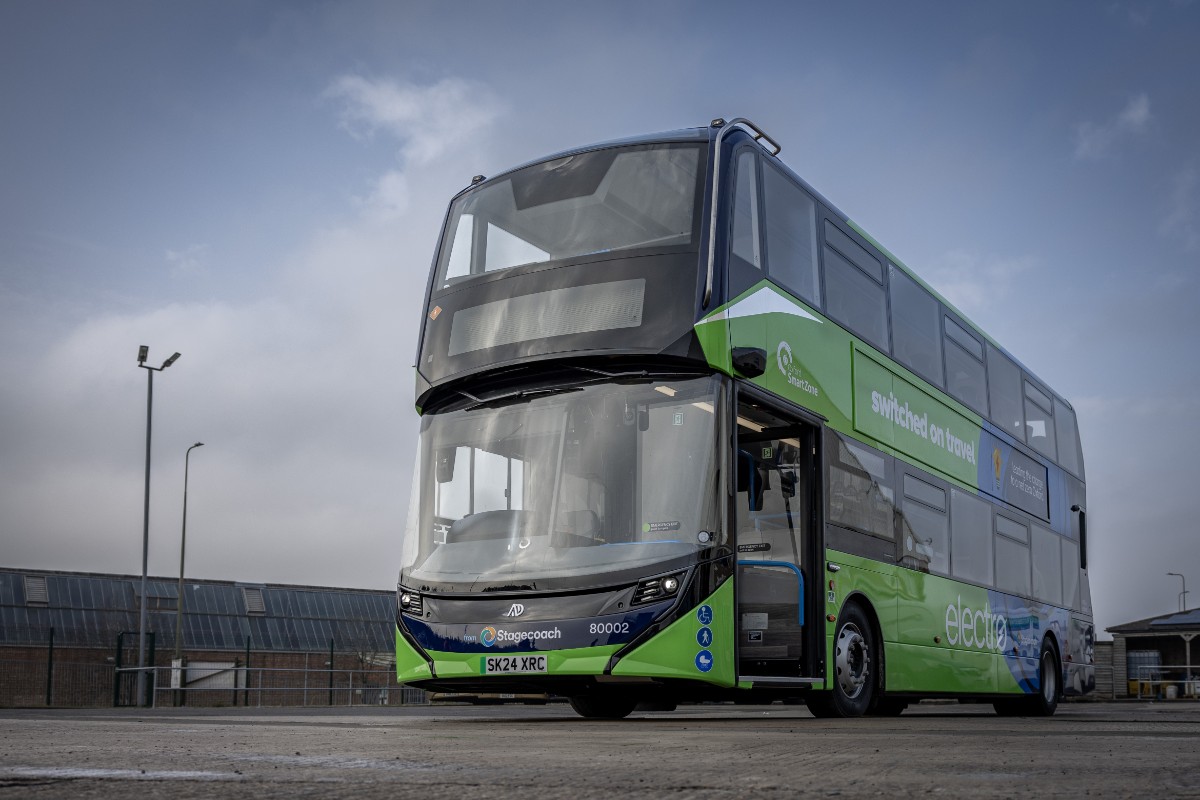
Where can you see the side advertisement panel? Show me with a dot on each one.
(894, 411)
(954, 637)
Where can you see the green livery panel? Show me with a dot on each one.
(943, 636)
(815, 363)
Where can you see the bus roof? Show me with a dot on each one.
(705, 134)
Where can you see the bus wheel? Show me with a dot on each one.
(854, 664)
(1045, 702)
(603, 706)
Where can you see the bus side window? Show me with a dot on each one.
(1004, 386)
(745, 243)
(791, 228)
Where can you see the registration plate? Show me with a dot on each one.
(504, 665)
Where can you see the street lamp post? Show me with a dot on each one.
(1183, 594)
(182, 551)
(143, 353)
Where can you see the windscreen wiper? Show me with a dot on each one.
(518, 396)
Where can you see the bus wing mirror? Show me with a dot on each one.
(643, 419)
(1083, 540)
(445, 464)
(750, 361)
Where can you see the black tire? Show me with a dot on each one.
(854, 668)
(1044, 702)
(603, 706)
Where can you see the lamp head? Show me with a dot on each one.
(143, 353)
(170, 361)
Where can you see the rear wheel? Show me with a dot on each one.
(1045, 701)
(603, 706)
(855, 660)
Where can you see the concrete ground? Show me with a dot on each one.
(1147, 750)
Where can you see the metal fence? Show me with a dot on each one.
(65, 684)
(37, 683)
(1165, 682)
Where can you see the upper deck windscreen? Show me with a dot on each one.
(618, 199)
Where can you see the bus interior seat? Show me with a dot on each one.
(487, 525)
(582, 523)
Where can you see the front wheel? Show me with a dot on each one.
(855, 661)
(603, 706)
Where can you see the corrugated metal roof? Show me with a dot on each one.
(89, 610)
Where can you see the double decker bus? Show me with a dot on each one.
(688, 433)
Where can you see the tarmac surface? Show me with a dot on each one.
(532, 753)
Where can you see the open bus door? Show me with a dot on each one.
(777, 476)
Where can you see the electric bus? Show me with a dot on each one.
(688, 433)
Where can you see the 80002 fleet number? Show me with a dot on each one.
(608, 627)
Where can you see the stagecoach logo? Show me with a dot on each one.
(516, 610)
(791, 371)
(487, 636)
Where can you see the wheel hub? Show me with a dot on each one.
(852, 659)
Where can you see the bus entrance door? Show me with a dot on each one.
(774, 518)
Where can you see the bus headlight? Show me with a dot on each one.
(410, 603)
(653, 589)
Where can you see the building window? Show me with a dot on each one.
(36, 592)
(254, 600)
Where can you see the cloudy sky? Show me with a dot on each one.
(259, 186)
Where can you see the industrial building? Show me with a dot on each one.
(69, 638)
(1153, 658)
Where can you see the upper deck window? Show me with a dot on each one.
(586, 204)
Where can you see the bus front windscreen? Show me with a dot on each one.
(619, 199)
(585, 487)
